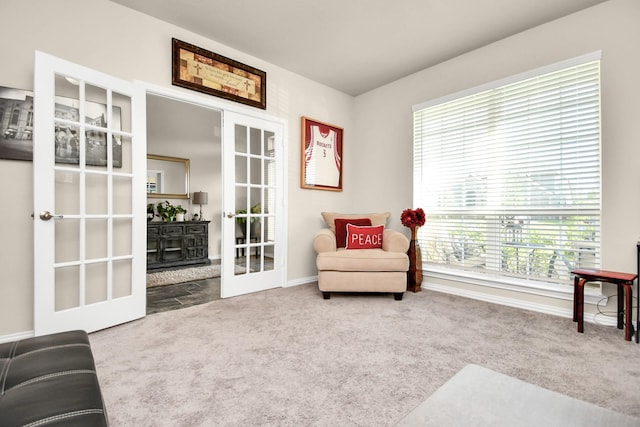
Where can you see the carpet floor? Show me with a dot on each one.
(286, 357)
(478, 397)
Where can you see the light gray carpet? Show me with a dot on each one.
(286, 357)
(480, 397)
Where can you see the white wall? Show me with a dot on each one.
(384, 120)
(126, 44)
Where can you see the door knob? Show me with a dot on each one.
(46, 216)
(230, 214)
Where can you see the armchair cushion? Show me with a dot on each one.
(376, 218)
(363, 260)
(363, 237)
(392, 241)
(341, 228)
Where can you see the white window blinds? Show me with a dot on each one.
(509, 175)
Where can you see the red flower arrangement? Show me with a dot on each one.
(413, 218)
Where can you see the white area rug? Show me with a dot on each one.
(480, 397)
(182, 275)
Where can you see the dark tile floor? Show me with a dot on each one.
(182, 295)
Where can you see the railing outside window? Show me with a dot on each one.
(543, 247)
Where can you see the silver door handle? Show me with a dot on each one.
(46, 216)
(230, 214)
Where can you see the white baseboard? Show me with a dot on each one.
(17, 336)
(301, 281)
(495, 299)
(517, 303)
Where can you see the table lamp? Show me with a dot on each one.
(200, 198)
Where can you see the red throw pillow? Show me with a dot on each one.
(341, 228)
(364, 237)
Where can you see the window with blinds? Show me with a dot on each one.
(509, 174)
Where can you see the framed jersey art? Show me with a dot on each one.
(321, 156)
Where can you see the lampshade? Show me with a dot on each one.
(200, 197)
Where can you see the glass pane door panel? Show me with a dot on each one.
(67, 191)
(269, 172)
(255, 170)
(122, 195)
(96, 283)
(241, 169)
(122, 154)
(96, 194)
(121, 112)
(67, 288)
(255, 136)
(67, 235)
(241, 139)
(269, 144)
(122, 278)
(122, 237)
(96, 149)
(66, 144)
(96, 238)
(269, 229)
(67, 88)
(95, 105)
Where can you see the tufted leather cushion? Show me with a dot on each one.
(50, 380)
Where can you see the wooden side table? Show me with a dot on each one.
(624, 281)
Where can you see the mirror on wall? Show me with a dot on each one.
(167, 177)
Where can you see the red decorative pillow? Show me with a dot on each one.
(341, 228)
(364, 237)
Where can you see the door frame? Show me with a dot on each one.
(223, 106)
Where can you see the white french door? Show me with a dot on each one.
(89, 163)
(253, 205)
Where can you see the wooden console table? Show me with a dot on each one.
(175, 244)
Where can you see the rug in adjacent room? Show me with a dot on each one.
(170, 277)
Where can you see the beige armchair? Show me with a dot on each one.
(341, 269)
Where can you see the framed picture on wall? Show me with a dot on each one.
(321, 155)
(204, 71)
(16, 124)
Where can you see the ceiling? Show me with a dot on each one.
(356, 45)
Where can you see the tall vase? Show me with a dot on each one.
(414, 275)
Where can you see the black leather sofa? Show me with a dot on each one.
(50, 381)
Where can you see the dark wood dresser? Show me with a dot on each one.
(174, 244)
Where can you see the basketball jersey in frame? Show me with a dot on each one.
(322, 160)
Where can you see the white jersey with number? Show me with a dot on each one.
(322, 159)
